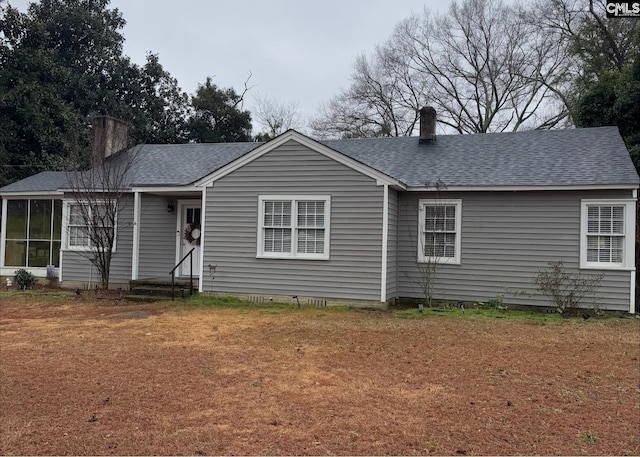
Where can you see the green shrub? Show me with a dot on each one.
(23, 279)
(567, 290)
(494, 303)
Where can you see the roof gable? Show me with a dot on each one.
(292, 135)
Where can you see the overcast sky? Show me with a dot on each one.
(298, 51)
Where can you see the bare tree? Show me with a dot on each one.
(489, 71)
(99, 194)
(276, 116)
(384, 99)
(593, 42)
(482, 65)
(437, 243)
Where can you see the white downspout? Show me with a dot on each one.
(385, 243)
(203, 220)
(135, 259)
(632, 283)
(3, 232)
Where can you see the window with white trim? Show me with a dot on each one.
(607, 234)
(294, 226)
(439, 231)
(81, 220)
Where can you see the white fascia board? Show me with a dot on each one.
(524, 188)
(381, 178)
(20, 195)
(166, 189)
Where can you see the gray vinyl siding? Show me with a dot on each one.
(76, 265)
(392, 246)
(354, 268)
(157, 237)
(507, 238)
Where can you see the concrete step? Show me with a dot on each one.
(154, 289)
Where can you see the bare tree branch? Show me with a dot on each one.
(98, 197)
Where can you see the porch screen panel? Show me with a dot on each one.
(34, 228)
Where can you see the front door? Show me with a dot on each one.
(190, 237)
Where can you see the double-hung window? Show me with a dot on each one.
(439, 231)
(294, 226)
(89, 226)
(606, 234)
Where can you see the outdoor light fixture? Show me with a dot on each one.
(170, 207)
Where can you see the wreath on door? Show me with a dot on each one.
(192, 234)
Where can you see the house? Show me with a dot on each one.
(355, 220)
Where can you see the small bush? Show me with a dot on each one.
(24, 279)
(565, 289)
(494, 303)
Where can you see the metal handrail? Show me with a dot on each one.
(173, 274)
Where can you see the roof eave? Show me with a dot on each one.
(472, 188)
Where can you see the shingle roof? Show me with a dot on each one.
(182, 164)
(590, 156)
(576, 157)
(46, 181)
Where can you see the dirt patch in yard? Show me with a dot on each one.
(205, 381)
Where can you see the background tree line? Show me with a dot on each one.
(491, 66)
(61, 62)
(485, 65)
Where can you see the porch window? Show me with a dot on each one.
(81, 220)
(439, 231)
(294, 227)
(607, 234)
(33, 233)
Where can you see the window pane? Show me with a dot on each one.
(75, 215)
(277, 240)
(617, 244)
(15, 254)
(40, 221)
(17, 220)
(39, 253)
(607, 249)
(311, 241)
(440, 218)
(311, 214)
(277, 214)
(55, 260)
(617, 222)
(57, 219)
(78, 236)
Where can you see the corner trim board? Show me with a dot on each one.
(385, 243)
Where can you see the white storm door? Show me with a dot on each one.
(190, 237)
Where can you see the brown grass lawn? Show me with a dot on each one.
(76, 377)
